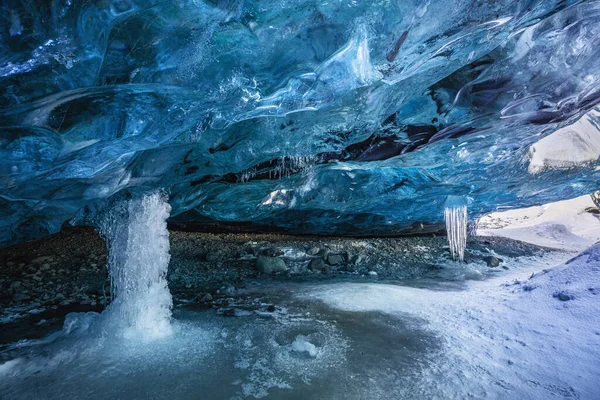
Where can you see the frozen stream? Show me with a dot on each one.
(443, 337)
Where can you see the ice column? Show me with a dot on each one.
(138, 258)
(456, 225)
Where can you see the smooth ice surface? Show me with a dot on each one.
(352, 117)
(138, 259)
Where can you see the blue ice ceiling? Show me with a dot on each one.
(346, 117)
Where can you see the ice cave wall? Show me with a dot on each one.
(343, 117)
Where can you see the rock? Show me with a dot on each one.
(357, 259)
(492, 262)
(212, 256)
(272, 252)
(271, 308)
(227, 289)
(563, 296)
(207, 298)
(41, 260)
(316, 265)
(313, 251)
(229, 312)
(14, 286)
(270, 265)
(335, 259)
(372, 273)
(19, 297)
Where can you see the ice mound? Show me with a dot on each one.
(314, 117)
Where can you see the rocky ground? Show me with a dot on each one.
(42, 281)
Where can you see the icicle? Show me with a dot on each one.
(456, 225)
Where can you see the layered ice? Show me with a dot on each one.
(362, 117)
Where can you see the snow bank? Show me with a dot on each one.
(533, 336)
(574, 145)
(563, 225)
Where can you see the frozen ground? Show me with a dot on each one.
(522, 333)
(567, 225)
(534, 334)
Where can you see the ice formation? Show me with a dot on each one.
(366, 115)
(138, 258)
(456, 225)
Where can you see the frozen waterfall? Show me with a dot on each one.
(138, 258)
(456, 225)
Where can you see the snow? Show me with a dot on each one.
(574, 145)
(507, 337)
(562, 225)
(301, 345)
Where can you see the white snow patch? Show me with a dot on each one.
(572, 146)
(563, 225)
(301, 345)
(513, 339)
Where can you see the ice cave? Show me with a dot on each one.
(300, 199)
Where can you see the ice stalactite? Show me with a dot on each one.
(138, 258)
(456, 225)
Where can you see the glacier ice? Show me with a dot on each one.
(329, 117)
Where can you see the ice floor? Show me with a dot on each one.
(464, 334)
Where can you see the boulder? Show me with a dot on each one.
(313, 251)
(270, 265)
(316, 265)
(492, 262)
(335, 259)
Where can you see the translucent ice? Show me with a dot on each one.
(362, 117)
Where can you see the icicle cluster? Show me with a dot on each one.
(456, 226)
